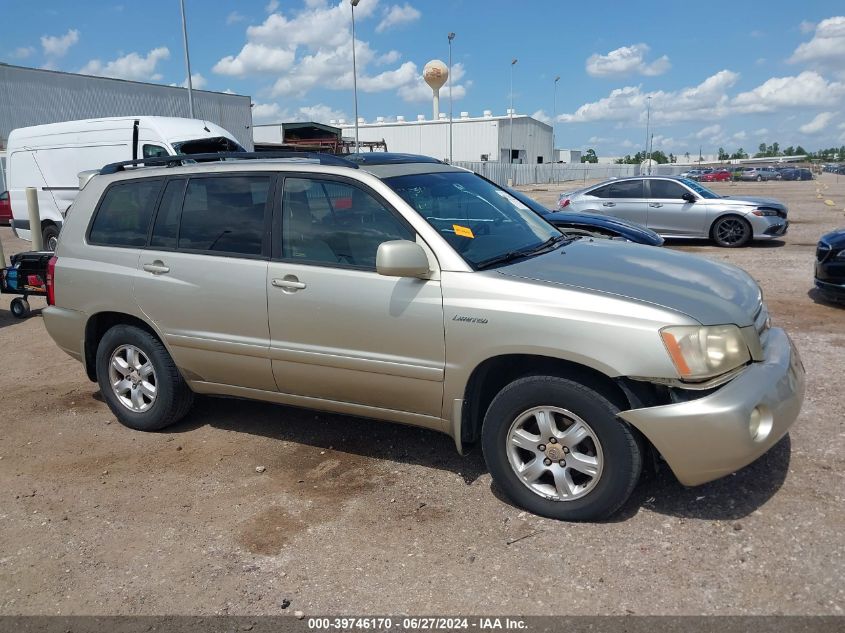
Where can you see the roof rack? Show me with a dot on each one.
(179, 159)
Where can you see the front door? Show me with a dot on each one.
(203, 278)
(340, 331)
(669, 214)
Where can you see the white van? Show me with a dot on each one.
(50, 157)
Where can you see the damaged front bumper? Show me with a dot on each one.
(718, 434)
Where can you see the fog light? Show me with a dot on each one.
(760, 424)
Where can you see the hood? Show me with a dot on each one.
(710, 292)
(834, 239)
(755, 201)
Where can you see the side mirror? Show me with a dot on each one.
(401, 258)
(689, 197)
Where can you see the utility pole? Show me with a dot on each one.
(513, 63)
(354, 4)
(647, 132)
(187, 60)
(450, 37)
(554, 117)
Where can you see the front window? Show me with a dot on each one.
(484, 223)
(704, 192)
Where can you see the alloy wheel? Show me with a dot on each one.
(132, 377)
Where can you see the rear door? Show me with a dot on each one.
(626, 199)
(202, 280)
(669, 214)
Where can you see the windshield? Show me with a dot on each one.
(704, 192)
(481, 221)
(207, 146)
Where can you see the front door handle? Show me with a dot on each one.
(157, 268)
(609, 204)
(289, 283)
(656, 205)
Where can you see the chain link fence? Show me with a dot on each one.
(521, 174)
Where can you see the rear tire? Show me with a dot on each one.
(584, 470)
(731, 231)
(50, 235)
(759, 179)
(139, 380)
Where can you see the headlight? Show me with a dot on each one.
(764, 213)
(840, 254)
(702, 352)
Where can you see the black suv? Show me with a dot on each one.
(830, 266)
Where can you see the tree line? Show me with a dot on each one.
(763, 151)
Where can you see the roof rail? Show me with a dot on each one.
(179, 159)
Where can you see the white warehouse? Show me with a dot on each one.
(484, 138)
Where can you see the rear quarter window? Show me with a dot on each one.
(124, 213)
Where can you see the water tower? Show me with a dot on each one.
(435, 74)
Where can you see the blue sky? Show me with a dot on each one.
(718, 74)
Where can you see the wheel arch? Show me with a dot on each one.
(727, 214)
(492, 374)
(100, 323)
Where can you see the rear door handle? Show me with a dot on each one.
(656, 205)
(609, 204)
(289, 284)
(157, 268)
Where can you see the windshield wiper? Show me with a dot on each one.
(549, 245)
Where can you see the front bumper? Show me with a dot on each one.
(768, 227)
(710, 437)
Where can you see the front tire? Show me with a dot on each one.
(731, 231)
(139, 380)
(558, 449)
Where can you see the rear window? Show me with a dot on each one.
(224, 214)
(123, 217)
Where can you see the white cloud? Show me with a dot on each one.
(22, 52)
(818, 124)
(827, 46)
(807, 27)
(807, 89)
(198, 82)
(705, 101)
(709, 132)
(254, 59)
(272, 6)
(131, 66)
(390, 57)
(541, 115)
(627, 60)
(234, 17)
(274, 113)
(761, 132)
(396, 15)
(58, 45)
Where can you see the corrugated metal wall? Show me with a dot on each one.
(30, 96)
(471, 138)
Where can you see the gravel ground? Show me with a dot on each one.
(353, 516)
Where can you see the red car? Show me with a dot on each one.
(719, 175)
(5, 208)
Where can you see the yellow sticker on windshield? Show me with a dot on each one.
(463, 231)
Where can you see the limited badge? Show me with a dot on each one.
(463, 231)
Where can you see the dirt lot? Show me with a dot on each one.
(353, 516)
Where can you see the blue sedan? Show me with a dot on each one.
(591, 224)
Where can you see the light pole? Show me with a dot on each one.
(554, 116)
(647, 131)
(354, 4)
(187, 60)
(450, 37)
(513, 63)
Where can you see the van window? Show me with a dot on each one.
(123, 217)
(154, 151)
(224, 214)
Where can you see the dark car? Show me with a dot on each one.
(796, 173)
(590, 224)
(830, 266)
(5, 208)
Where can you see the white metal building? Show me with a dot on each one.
(484, 138)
